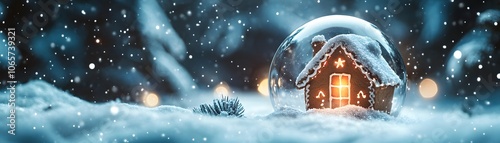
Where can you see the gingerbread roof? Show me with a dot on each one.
(366, 51)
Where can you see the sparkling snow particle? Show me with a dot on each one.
(478, 79)
(91, 66)
(157, 27)
(480, 66)
(97, 41)
(496, 23)
(333, 10)
(83, 12)
(457, 54)
(498, 76)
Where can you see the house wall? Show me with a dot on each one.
(321, 82)
(383, 98)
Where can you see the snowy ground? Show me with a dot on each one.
(46, 114)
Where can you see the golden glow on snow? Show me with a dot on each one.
(221, 90)
(151, 100)
(262, 87)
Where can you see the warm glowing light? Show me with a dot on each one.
(428, 88)
(339, 63)
(263, 87)
(151, 100)
(457, 54)
(279, 80)
(222, 89)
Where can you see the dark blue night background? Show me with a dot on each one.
(102, 51)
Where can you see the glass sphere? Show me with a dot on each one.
(295, 52)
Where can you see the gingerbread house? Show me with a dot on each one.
(347, 69)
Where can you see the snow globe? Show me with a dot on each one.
(337, 60)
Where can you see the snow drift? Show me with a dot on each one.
(46, 114)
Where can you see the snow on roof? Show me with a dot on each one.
(366, 51)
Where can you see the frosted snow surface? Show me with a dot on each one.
(70, 119)
(154, 25)
(366, 50)
(476, 44)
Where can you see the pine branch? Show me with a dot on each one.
(222, 107)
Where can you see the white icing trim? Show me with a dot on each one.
(307, 95)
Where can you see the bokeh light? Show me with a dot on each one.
(114, 110)
(263, 87)
(222, 89)
(457, 54)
